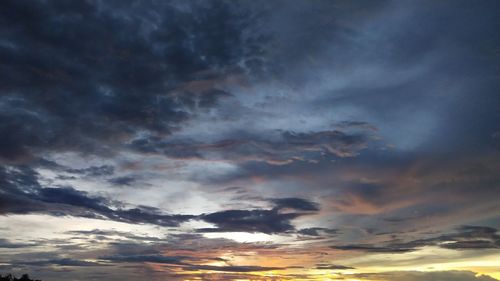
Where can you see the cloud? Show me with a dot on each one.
(465, 238)
(332, 266)
(317, 231)
(147, 258)
(121, 181)
(185, 247)
(6, 244)
(424, 276)
(395, 249)
(233, 268)
(277, 148)
(60, 262)
(93, 171)
(108, 234)
(276, 220)
(74, 85)
(265, 221)
(182, 261)
(298, 204)
(385, 112)
(22, 194)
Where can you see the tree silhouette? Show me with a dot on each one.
(10, 277)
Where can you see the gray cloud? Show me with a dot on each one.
(22, 194)
(332, 266)
(280, 148)
(60, 262)
(318, 231)
(121, 181)
(295, 203)
(6, 244)
(466, 238)
(147, 258)
(233, 268)
(385, 112)
(93, 171)
(266, 221)
(107, 234)
(64, 93)
(423, 276)
(182, 261)
(275, 220)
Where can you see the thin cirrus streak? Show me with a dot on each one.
(250, 140)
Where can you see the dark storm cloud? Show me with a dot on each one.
(59, 262)
(93, 171)
(150, 215)
(465, 238)
(22, 193)
(318, 231)
(73, 173)
(265, 221)
(278, 148)
(84, 75)
(100, 77)
(120, 181)
(5, 243)
(296, 204)
(428, 41)
(472, 237)
(395, 249)
(72, 197)
(446, 105)
(276, 220)
(109, 234)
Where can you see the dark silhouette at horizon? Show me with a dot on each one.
(10, 277)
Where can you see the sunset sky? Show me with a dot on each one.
(250, 140)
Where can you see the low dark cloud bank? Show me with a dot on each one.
(452, 275)
(23, 194)
(465, 238)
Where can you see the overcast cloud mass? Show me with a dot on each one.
(250, 140)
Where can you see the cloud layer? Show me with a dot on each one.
(259, 140)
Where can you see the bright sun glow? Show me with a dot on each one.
(242, 237)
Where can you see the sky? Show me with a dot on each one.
(250, 140)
